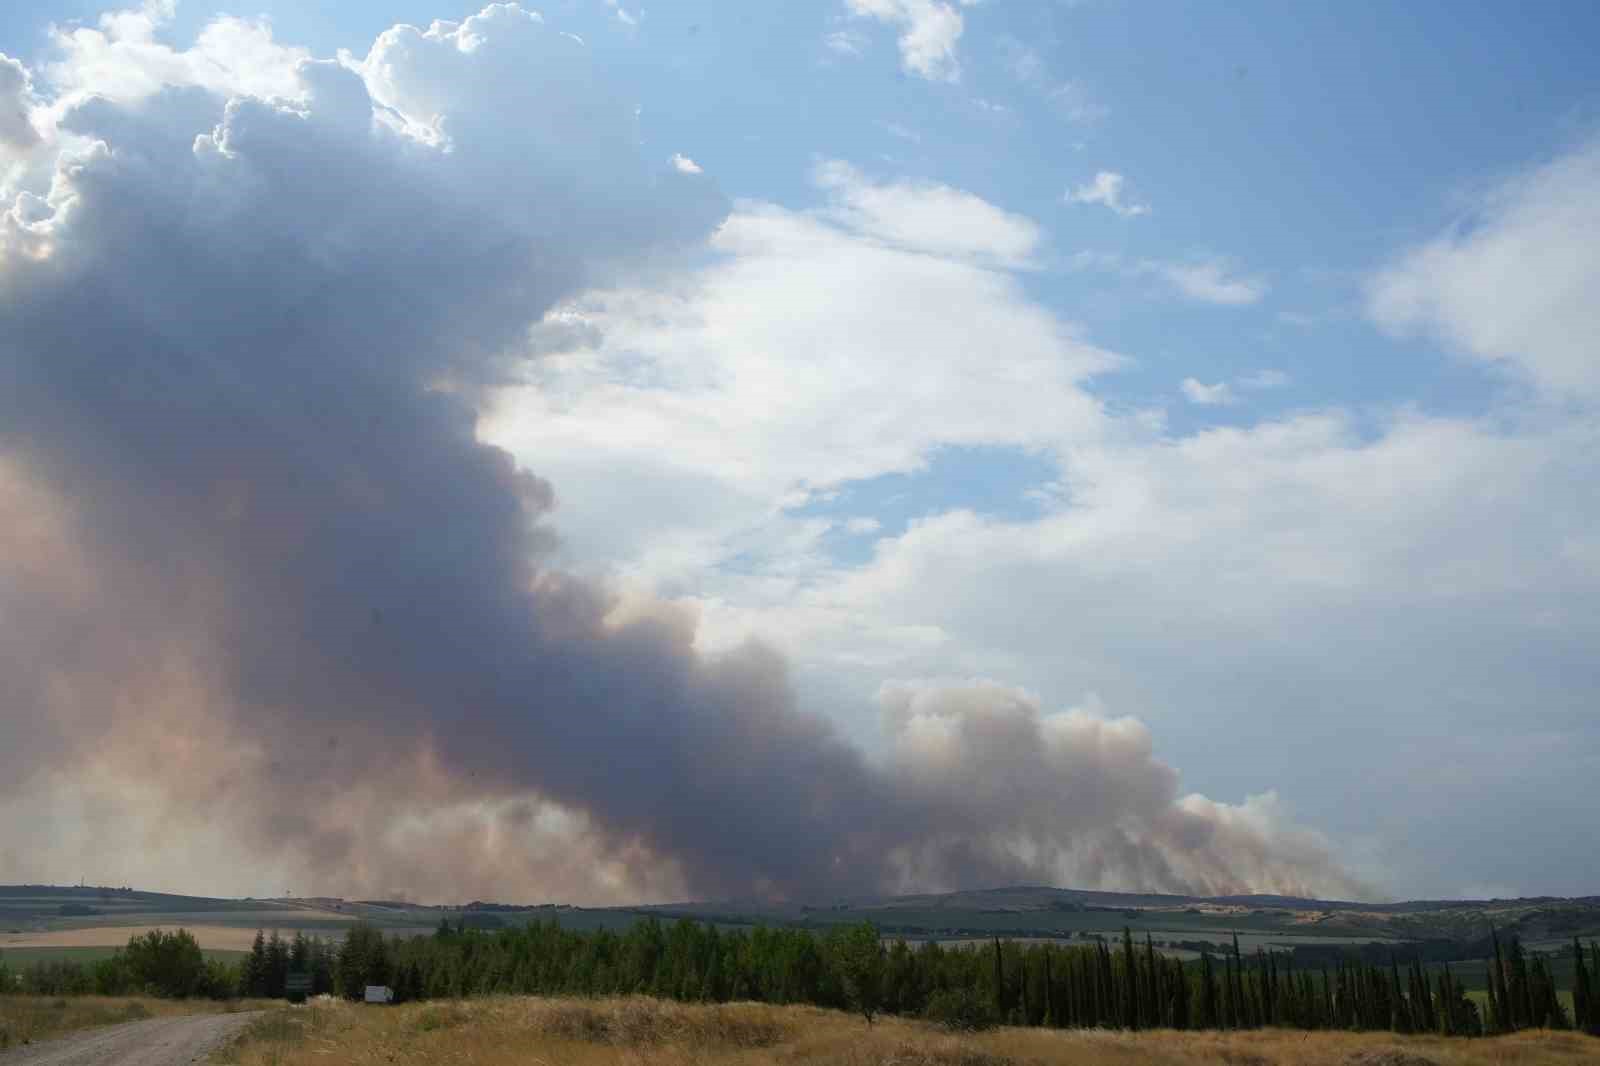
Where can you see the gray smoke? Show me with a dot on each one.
(255, 561)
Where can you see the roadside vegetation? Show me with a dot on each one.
(639, 1031)
(28, 1019)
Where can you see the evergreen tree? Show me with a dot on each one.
(999, 983)
(1209, 1017)
(1506, 1013)
(1582, 1009)
(277, 966)
(256, 968)
(1130, 983)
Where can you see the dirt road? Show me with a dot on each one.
(156, 1042)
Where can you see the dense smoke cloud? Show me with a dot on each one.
(254, 560)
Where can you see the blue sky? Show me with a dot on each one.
(1215, 366)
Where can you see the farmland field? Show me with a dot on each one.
(36, 917)
(644, 1032)
(18, 957)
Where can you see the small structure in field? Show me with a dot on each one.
(380, 994)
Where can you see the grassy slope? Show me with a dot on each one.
(29, 1019)
(492, 1032)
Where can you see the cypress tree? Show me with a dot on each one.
(1581, 994)
(1399, 1017)
(1495, 1023)
(1238, 984)
(1049, 992)
(1130, 982)
(1152, 998)
(1208, 994)
(1180, 1002)
(1022, 983)
(1521, 988)
(999, 983)
(1447, 1002)
(1506, 1014)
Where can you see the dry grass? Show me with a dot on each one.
(644, 1032)
(27, 1019)
(209, 937)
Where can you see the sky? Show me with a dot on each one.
(612, 452)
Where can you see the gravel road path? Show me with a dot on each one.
(156, 1042)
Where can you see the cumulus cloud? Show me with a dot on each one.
(122, 59)
(684, 165)
(1106, 190)
(929, 33)
(1513, 285)
(16, 131)
(1198, 392)
(275, 581)
(927, 216)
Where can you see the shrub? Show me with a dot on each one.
(961, 1010)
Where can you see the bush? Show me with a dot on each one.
(169, 965)
(960, 1010)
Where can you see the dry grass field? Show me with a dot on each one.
(642, 1032)
(210, 937)
(28, 1019)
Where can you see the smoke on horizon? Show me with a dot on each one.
(260, 578)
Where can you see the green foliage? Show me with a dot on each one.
(363, 961)
(169, 965)
(960, 1009)
(857, 955)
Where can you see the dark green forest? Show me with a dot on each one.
(1126, 985)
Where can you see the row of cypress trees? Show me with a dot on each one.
(1137, 988)
(1128, 986)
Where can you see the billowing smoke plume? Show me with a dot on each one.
(258, 572)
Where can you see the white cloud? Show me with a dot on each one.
(929, 32)
(122, 59)
(684, 165)
(927, 216)
(1515, 285)
(811, 354)
(863, 525)
(16, 131)
(1210, 281)
(1106, 190)
(1208, 395)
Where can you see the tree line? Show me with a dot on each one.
(1123, 986)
